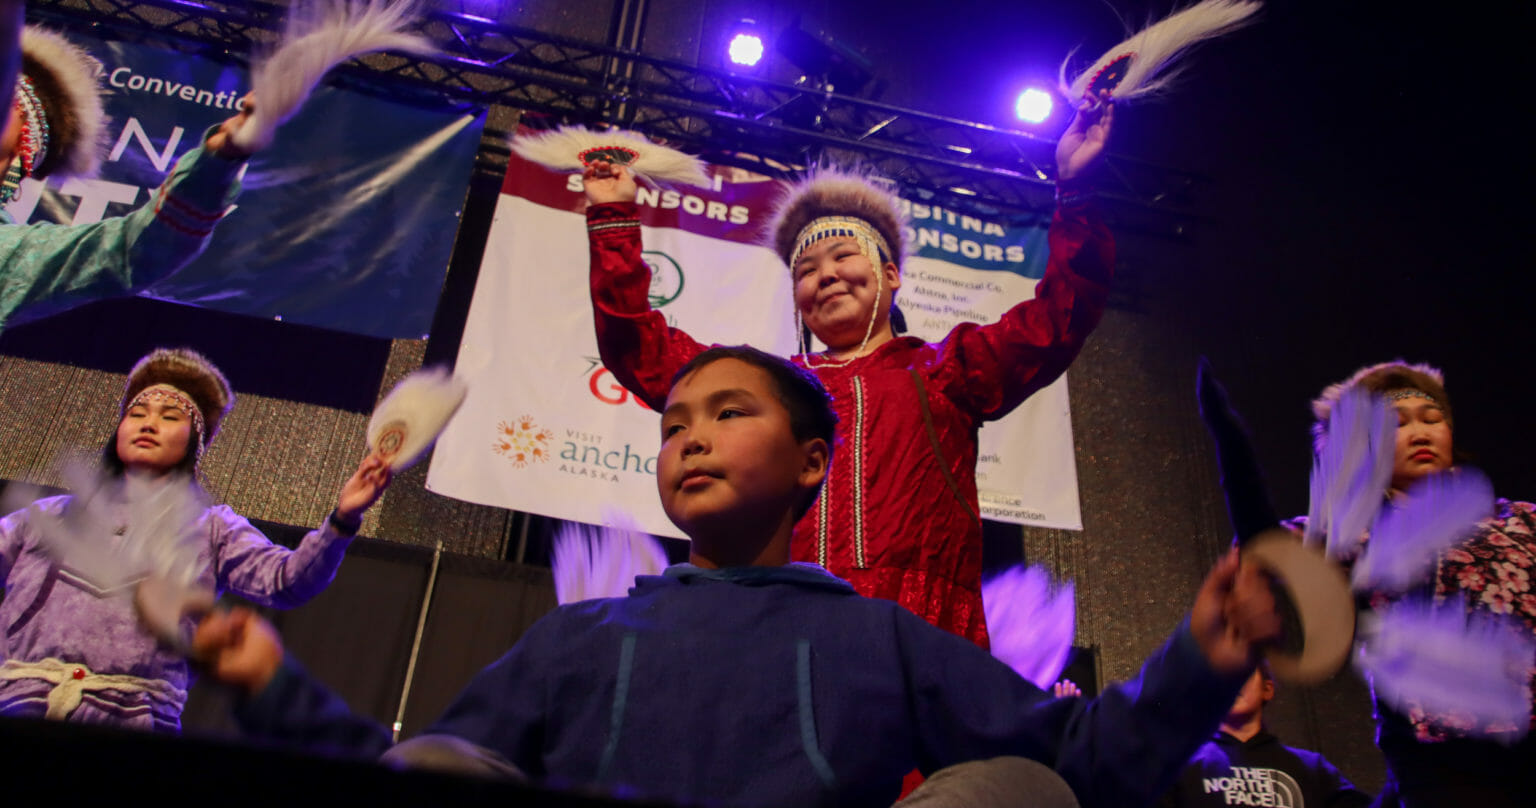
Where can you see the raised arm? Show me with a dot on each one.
(635, 342)
(989, 370)
(1120, 750)
(248, 563)
(49, 268)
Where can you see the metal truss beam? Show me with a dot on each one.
(736, 120)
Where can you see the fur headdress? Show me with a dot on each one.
(837, 192)
(191, 373)
(1382, 378)
(65, 79)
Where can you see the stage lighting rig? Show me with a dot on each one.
(829, 64)
(745, 48)
(1034, 105)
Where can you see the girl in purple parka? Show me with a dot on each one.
(75, 650)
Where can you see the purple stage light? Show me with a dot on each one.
(746, 49)
(1033, 106)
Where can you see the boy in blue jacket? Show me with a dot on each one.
(743, 679)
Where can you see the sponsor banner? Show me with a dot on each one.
(346, 221)
(547, 429)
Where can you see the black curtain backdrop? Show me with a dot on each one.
(357, 635)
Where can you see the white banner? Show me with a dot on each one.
(546, 429)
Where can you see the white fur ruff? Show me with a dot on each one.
(561, 149)
(591, 562)
(76, 72)
(407, 422)
(319, 35)
(1157, 48)
(1031, 622)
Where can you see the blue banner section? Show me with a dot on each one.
(346, 222)
(1003, 242)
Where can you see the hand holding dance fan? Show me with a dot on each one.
(319, 35)
(576, 149)
(1141, 64)
(407, 422)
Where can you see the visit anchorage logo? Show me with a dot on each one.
(522, 442)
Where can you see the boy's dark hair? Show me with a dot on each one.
(802, 394)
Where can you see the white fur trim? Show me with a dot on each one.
(1159, 46)
(561, 150)
(76, 72)
(320, 35)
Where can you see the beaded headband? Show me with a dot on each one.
(166, 394)
(1412, 392)
(870, 242)
(34, 126)
(32, 142)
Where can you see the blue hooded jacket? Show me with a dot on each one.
(779, 686)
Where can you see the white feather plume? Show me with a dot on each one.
(127, 537)
(1315, 534)
(1156, 48)
(319, 35)
(589, 561)
(163, 606)
(1031, 622)
(407, 422)
(1353, 469)
(1433, 515)
(1440, 658)
(561, 150)
(157, 521)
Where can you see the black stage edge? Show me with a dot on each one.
(102, 765)
(262, 357)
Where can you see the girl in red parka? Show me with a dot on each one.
(898, 517)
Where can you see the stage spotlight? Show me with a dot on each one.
(1033, 106)
(746, 46)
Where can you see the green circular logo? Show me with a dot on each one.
(666, 278)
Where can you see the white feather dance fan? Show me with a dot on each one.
(591, 562)
(574, 148)
(1140, 65)
(319, 35)
(407, 422)
(1350, 475)
(1031, 622)
(1445, 660)
(121, 537)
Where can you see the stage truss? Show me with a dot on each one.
(729, 119)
